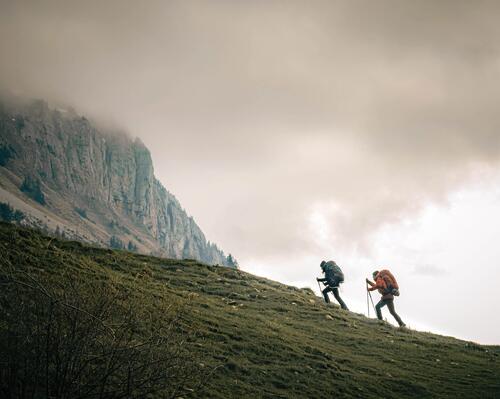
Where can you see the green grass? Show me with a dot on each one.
(270, 340)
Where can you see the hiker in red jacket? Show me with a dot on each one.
(387, 286)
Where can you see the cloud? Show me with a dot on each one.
(428, 270)
(261, 115)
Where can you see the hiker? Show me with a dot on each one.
(333, 277)
(388, 287)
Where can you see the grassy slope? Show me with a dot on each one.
(273, 340)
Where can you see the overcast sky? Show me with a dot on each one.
(294, 131)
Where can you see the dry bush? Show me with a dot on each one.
(79, 337)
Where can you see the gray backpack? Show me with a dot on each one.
(336, 270)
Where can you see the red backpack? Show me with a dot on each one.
(390, 281)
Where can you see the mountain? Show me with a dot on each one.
(89, 184)
(250, 337)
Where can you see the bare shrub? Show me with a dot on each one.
(70, 336)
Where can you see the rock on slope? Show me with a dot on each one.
(97, 186)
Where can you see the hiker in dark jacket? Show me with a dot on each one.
(333, 277)
(387, 289)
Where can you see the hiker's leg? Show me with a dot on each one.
(338, 298)
(390, 305)
(378, 308)
(325, 294)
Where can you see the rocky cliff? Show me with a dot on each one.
(96, 185)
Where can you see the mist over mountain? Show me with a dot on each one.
(75, 179)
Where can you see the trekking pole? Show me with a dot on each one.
(370, 294)
(319, 286)
(367, 301)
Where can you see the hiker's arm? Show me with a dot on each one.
(370, 283)
(376, 286)
(321, 280)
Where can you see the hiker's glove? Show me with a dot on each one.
(368, 281)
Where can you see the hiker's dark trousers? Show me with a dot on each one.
(335, 289)
(390, 305)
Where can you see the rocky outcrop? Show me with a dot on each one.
(106, 176)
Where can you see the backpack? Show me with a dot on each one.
(334, 270)
(337, 270)
(390, 281)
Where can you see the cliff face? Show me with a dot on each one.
(97, 185)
